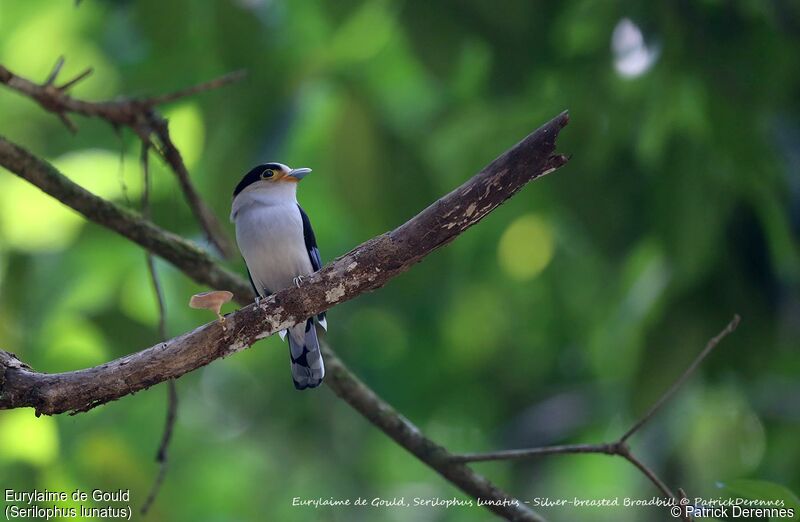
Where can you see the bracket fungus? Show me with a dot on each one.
(211, 301)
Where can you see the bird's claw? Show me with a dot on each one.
(297, 281)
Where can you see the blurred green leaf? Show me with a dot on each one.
(526, 247)
(27, 438)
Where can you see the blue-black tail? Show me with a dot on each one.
(308, 369)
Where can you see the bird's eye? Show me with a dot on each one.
(267, 174)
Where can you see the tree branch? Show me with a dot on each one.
(140, 116)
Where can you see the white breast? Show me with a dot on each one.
(270, 237)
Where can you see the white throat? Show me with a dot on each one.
(264, 193)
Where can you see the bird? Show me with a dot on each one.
(275, 238)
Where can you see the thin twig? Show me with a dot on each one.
(216, 83)
(524, 453)
(54, 73)
(166, 438)
(67, 122)
(204, 215)
(712, 343)
(172, 393)
(683, 502)
(151, 267)
(85, 74)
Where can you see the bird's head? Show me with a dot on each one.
(270, 176)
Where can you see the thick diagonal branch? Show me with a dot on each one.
(367, 267)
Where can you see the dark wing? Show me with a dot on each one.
(311, 247)
(311, 241)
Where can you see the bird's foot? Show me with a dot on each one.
(298, 281)
(258, 300)
(222, 321)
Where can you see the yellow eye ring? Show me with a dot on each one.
(267, 174)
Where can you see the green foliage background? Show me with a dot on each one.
(558, 319)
